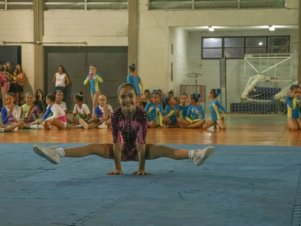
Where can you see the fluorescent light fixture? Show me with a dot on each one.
(210, 28)
(271, 28)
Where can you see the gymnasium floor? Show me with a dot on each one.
(253, 178)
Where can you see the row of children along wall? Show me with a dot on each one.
(182, 112)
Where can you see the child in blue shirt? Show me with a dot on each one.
(293, 108)
(171, 112)
(195, 113)
(216, 111)
(154, 111)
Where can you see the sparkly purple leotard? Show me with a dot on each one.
(129, 132)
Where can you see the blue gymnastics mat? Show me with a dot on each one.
(237, 186)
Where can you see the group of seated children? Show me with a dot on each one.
(184, 113)
(55, 116)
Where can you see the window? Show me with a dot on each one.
(212, 48)
(256, 45)
(278, 44)
(237, 47)
(86, 4)
(234, 47)
(214, 4)
(16, 4)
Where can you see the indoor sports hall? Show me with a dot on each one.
(247, 50)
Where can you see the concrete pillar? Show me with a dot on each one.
(133, 8)
(38, 32)
(299, 47)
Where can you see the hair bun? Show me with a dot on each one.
(132, 67)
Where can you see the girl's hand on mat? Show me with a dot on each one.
(141, 173)
(115, 172)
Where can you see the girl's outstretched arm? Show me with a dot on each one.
(141, 156)
(117, 159)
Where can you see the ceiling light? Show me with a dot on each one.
(260, 43)
(271, 28)
(210, 28)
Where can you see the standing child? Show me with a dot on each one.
(134, 79)
(195, 113)
(129, 128)
(93, 79)
(11, 113)
(54, 116)
(5, 78)
(216, 110)
(293, 108)
(154, 110)
(61, 79)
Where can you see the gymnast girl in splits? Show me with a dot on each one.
(129, 128)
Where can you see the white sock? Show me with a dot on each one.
(61, 151)
(190, 154)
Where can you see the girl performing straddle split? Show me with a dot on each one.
(129, 127)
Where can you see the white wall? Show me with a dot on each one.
(154, 41)
(95, 27)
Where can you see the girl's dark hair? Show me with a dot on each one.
(156, 92)
(63, 69)
(10, 94)
(195, 97)
(167, 99)
(293, 87)
(125, 85)
(51, 96)
(215, 92)
(39, 90)
(184, 94)
(79, 96)
(132, 67)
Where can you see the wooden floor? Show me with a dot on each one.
(277, 135)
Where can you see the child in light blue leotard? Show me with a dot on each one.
(216, 111)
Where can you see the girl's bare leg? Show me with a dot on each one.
(195, 125)
(102, 150)
(11, 127)
(58, 124)
(94, 99)
(221, 124)
(208, 124)
(54, 154)
(154, 151)
(299, 123)
(292, 124)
